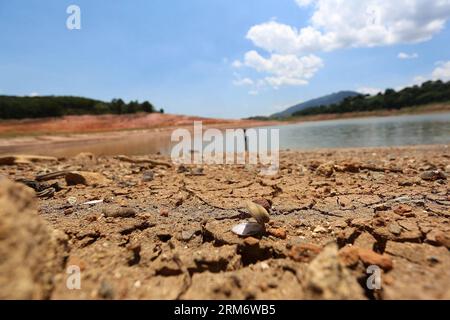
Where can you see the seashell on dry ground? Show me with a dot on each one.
(247, 229)
(258, 212)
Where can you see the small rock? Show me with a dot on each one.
(197, 172)
(395, 229)
(148, 176)
(106, 290)
(277, 232)
(326, 278)
(366, 241)
(187, 235)
(349, 256)
(250, 241)
(326, 169)
(320, 229)
(182, 169)
(72, 200)
(86, 178)
(304, 252)
(119, 212)
(433, 175)
(447, 169)
(164, 213)
(443, 239)
(370, 257)
(402, 209)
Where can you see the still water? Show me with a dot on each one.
(367, 132)
(362, 132)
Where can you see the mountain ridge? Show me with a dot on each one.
(326, 100)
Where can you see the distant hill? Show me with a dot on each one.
(429, 92)
(334, 98)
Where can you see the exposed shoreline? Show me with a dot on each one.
(96, 128)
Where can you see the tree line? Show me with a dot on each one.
(428, 92)
(14, 107)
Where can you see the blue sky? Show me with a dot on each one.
(221, 58)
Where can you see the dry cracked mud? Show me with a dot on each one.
(163, 231)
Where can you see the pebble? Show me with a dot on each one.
(72, 200)
(395, 229)
(320, 229)
(187, 235)
(250, 241)
(433, 175)
(119, 212)
(304, 252)
(277, 232)
(148, 176)
(164, 213)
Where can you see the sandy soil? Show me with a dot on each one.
(163, 232)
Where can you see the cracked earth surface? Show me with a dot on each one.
(164, 232)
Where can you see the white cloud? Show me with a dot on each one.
(304, 3)
(369, 90)
(33, 94)
(354, 23)
(283, 70)
(253, 92)
(405, 56)
(442, 72)
(336, 24)
(243, 82)
(236, 64)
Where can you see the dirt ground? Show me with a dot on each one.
(164, 231)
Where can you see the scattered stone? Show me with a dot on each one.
(320, 229)
(366, 241)
(122, 212)
(86, 178)
(349, 256)
(250, 241)
(370, 257)
(443, 239)
(148, 176)
(106, 290)
(277, 232)
(85, 158)
(164, 213)
(304, 252)
(326, 169)
(24, 159)
(433, 175)
(182, 169)
(447, 168)
(197, 172)
(326, 278)
(187, 235)
(401, 209)
(71, 200)
(395, 229)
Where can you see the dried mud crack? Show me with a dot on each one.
(142, 228)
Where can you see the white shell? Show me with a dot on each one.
(93, 202)
(247, 229)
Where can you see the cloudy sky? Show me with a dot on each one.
(221, 58)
